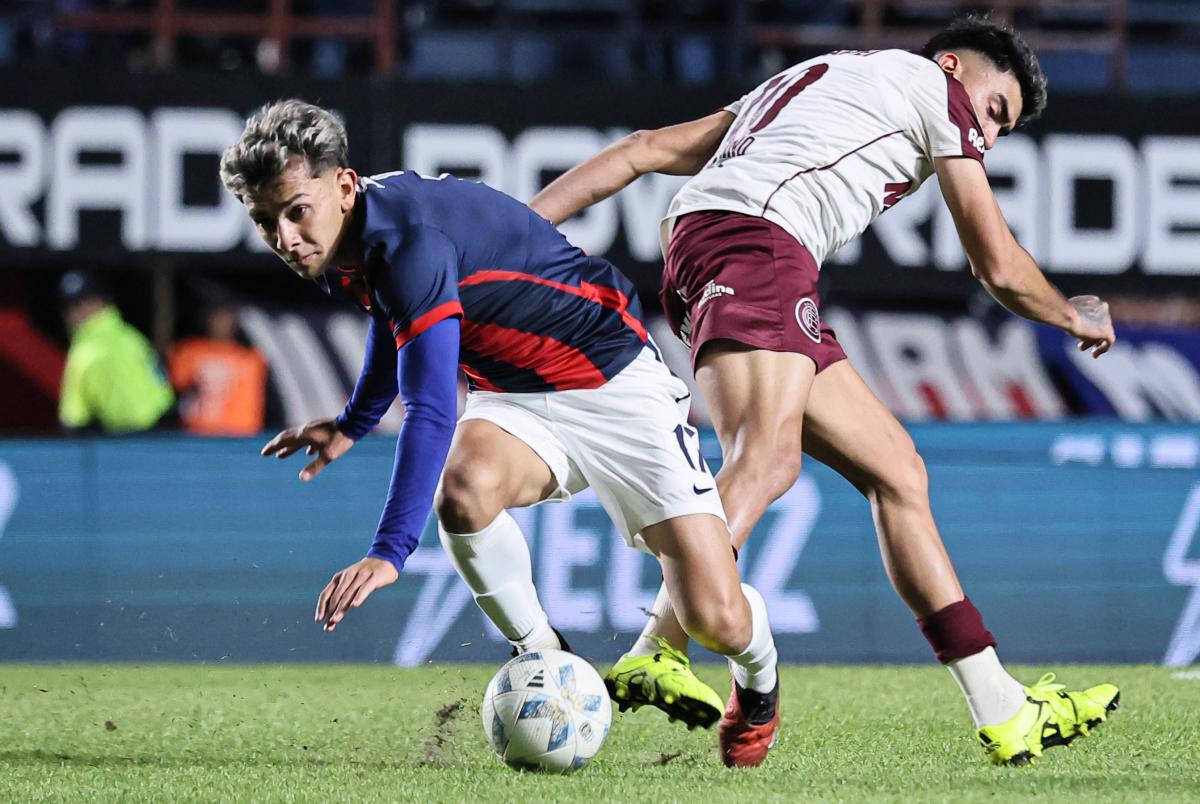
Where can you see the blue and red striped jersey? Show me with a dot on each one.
(537, 314)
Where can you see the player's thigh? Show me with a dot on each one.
(850, 430)
(487, 461)
(755, 397)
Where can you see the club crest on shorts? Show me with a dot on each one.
(809, 318)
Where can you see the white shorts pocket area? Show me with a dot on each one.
(629, 440)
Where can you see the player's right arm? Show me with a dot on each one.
(679, 150)
(1006, 269)
(377, 385)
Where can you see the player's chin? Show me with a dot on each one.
(314, 267)
(309, 268)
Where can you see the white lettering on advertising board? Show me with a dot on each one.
(1153, 206)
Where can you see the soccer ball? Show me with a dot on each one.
(546, 710)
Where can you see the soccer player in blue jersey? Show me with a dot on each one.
(566, 391)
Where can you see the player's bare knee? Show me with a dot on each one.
(904, 479)
(772, 468)
(468, 499)
(782, 471)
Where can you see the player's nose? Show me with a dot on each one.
(990, 134)
(287, 236)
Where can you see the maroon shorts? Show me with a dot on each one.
(744, 279)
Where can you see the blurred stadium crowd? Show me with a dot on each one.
(1147, 45)
(452, 77)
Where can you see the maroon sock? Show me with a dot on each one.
(956, 631)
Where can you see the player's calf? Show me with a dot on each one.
(494, 562)
(750, 725)
(721, 624)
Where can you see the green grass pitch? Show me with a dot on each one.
(367, 733)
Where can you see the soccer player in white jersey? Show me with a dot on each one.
(782, 178)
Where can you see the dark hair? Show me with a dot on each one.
(1001, 45)
(79, 285)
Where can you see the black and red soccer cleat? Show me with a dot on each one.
(749, 727)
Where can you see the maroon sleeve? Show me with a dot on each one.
(962, 115)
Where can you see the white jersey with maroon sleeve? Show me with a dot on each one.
(825, 146)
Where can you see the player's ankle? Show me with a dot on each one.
(758, 707)
(644, 646)
(761, 680)
(541, 637)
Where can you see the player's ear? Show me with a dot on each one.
(347, 181)
(949, 62)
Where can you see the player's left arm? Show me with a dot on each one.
(679, 150)
(428, 381)
(330, 438)
(1007, 270)
(416, 283)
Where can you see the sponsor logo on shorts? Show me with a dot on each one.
(809, 318)
(713, 290)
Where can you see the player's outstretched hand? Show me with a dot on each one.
(349, 588)
(320, 437)
(1094, 328)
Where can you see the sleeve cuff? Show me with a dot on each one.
(351, 430)
(394, 556)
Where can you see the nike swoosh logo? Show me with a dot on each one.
(701, 491)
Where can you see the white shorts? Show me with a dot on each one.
(628, 439)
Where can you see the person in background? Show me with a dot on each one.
(113, 380)
(221, 382)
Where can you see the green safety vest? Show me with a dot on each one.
(113, 377)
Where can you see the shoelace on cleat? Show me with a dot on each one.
(667, 649)
(1061, 706)
(1046, 684)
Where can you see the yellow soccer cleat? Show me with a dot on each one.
(665, 680)
(1051, 716)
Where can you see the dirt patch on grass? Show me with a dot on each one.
(443, 725)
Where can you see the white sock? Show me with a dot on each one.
(754, 668)
(645, 645)
(495, 564)
(993, 696)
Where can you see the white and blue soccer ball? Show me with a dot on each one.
(546, 710)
